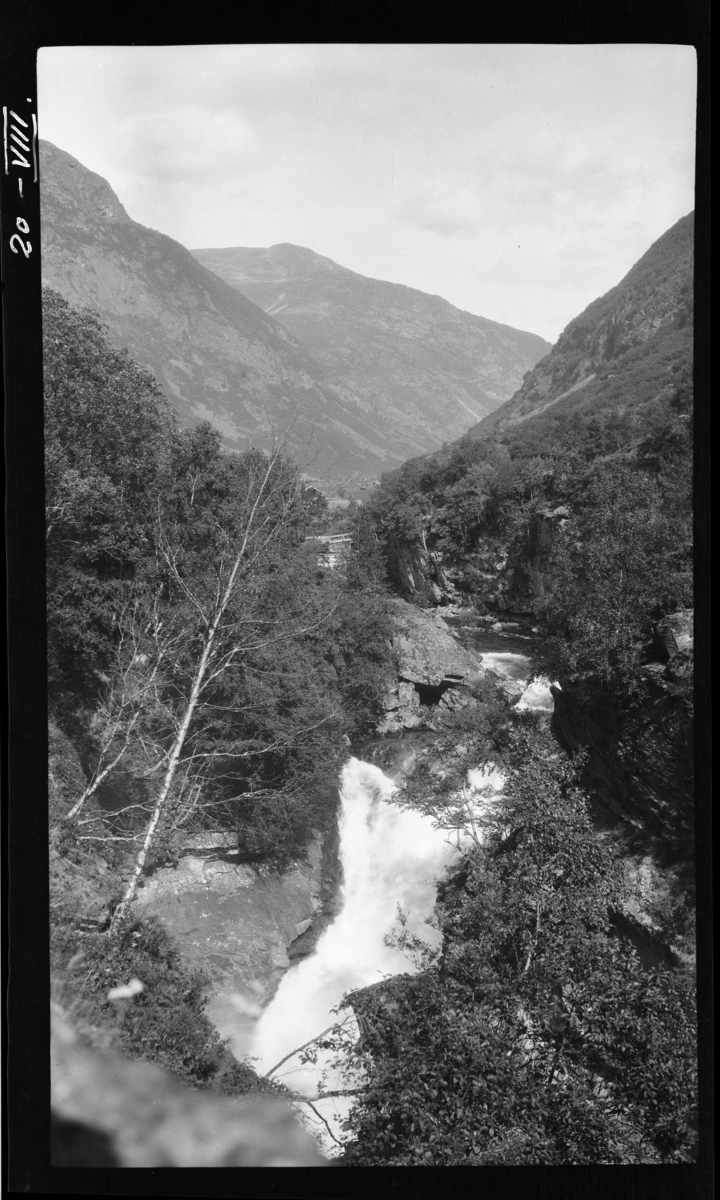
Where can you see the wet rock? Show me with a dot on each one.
(109, 1111)
(433, 670)
(427, 653)
(235, 922)
(330, 898)
(209, 839)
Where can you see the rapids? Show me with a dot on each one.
(391, 858)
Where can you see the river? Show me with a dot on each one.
(390, 857)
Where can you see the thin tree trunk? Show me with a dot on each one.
(534, 942)
(95, 783)
(123, 907)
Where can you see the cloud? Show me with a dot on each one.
(186, 143)
(443, 210)
(518, 181)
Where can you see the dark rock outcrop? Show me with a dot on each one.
(640, 746)
(486, 575)
(108, 1111)
(673, 635)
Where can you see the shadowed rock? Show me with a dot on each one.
(110, 1111)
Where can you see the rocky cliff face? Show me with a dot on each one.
(487, 576)
(424, 368)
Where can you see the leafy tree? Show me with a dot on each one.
(107, 427)
(213, 668)
(213, 560)
(624, 560)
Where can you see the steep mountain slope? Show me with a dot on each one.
(646, 319)
(423, 367)
(217, 355)
(483, 513)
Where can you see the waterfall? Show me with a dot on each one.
(390, 857)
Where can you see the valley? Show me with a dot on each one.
(218, 356)
(270, 767)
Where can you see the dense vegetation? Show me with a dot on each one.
(616, 471)
(205, 670)
(537, 1034)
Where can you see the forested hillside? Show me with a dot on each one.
(205, 673)
(549, 1028)
(384, 372)
(216, 355)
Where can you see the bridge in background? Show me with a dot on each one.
(335, 545)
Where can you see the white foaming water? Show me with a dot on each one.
(390, 857)
(512, 666)
(517, 667)
(537, 695)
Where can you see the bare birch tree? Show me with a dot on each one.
(224, 625)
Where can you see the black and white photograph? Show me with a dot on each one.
(367, 386)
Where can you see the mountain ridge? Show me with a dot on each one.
(217, 355)
(399, 348)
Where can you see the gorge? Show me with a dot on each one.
(269, 999)
(192, 622)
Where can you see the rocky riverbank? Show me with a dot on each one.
(242, 924)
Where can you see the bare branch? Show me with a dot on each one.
(303, 1100)
(337, 1025)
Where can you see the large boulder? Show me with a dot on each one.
(108, 1111)
(433, 669)
(237, 923)
(427, 652)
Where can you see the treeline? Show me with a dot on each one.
(204, 670)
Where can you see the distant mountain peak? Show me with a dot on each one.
(413, 359)
(257, 341)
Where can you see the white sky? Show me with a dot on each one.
(520, 182)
